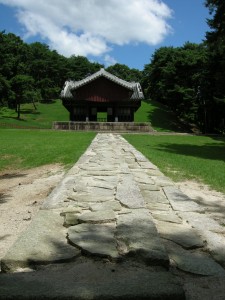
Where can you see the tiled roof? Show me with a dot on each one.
(73, 85)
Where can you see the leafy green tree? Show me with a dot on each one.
(125, 73)
(215, 89)
(78, 67)
(4, 90)
(173, 77)
(21, 87)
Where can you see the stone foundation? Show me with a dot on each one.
(104, 126)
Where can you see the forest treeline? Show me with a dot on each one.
(190, 80)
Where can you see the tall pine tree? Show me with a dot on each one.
(215, 40)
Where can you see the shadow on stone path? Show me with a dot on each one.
(116, 228)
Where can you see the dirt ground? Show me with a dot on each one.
(23, 192)
(21, 195)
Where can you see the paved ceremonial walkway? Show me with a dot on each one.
(115, 228)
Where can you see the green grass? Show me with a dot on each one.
(185, 157)
(40, 118)
(33, 148)
(160, 117)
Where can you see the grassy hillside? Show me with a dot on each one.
(42, 117)
(158, 115)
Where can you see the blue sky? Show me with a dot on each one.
(102, 32)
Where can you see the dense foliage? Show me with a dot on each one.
(173, 78)
(33, 72)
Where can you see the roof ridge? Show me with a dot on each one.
(102, 72)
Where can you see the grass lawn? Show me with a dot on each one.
(33, 148)
(157, 114)
(185, 157)
(43, 117)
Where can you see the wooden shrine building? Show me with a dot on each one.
(102, 92)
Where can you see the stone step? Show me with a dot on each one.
(91, 280)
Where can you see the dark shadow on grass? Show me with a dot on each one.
(30, 111)
(163, 118)
(14, 118)
(213, 151)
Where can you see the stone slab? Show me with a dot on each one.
(158, 206)
(128, 193)
(91, 280)
(109, 205)
(166, 217)
(143, 178)
(202, 222)
(180, 234)
(179, 201)
(148, 187)
(162, 180)
(95, 239)
(43, 242)
(137, 235)
(215, 245)
(197, 263)
(97, 217)
(154, 197)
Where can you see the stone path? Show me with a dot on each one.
(115, 227)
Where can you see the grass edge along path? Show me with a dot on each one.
(24, 149)
(199, 158)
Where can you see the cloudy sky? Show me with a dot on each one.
(107, 31)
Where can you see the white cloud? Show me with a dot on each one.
(109, 60)
(89, 27)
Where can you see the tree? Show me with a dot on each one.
(173, 77)
(125, 73)
(215, 41)
(21, 86)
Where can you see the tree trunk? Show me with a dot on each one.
(18, 110)
(35, 107)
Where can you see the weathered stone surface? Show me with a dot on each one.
(197, 263)
(70, 219)
(179, 201)
(109, 205)
(148, 187)
(128, 193)
(166, 217)
(202, 222)
(137, 235)
(88, 197)
(97, 217)
(180, 234)
(43, 242)
(96, 239)
(143, 178)
(163, 181)
(101, 184)
(91, 280)
(158, 206)
(154, 197)
(215, 245)
(70, 209)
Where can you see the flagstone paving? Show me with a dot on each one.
(120, 218)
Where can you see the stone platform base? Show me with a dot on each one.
(104, 126)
